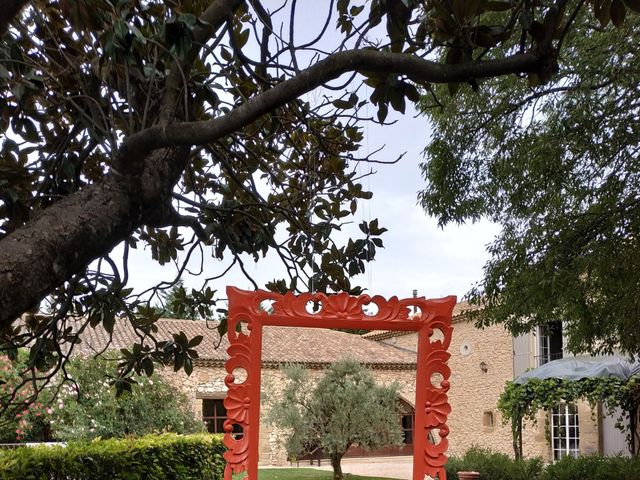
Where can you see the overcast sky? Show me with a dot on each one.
(417, 254)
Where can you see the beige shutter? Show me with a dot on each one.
(521, 355)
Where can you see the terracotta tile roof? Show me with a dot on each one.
(280, 344)
(460, 310)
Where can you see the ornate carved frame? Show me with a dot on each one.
(337, 311)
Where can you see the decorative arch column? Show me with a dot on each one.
(247, 317)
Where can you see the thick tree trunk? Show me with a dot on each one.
(60, 242)
(337, 467)
(66, 237)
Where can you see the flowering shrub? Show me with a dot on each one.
(87, 407)
(24, 419)
(90, 409)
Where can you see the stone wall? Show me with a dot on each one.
(481, 364)
(474, 393)
(589, 421)
(208, 382)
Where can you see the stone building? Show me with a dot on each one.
(313, 348)
(481, 362)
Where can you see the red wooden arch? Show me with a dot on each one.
(337, 311)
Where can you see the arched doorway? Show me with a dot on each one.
(406, 417)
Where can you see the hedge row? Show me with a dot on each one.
(497, 466)
(158, 457)
(593, 467)
(493, 466)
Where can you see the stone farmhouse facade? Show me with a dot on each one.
(481, 362)
(313, 348)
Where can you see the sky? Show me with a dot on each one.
(417, 255)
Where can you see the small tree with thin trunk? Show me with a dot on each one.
(345, 408)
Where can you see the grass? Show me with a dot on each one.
(303, 474)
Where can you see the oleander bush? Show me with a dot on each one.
(157, 457)
(593, 467)
(87, 407)
(493, 466)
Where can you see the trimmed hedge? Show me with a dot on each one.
(158, 457)
(493, 466)
(594, 467)
(497, 466)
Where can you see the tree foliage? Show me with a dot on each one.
(523, 401)
(193, 304)
(345, 408)
(86, 406)
(184, 128)
(556, 165)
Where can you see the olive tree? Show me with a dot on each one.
(344, 408)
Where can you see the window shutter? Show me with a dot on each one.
(521, 354)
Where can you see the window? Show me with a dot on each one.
(487, 421)
(565, 431)
(549, 342)
(407, 419)
(214, 414)
(407, 429)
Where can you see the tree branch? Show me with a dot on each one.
(8, 11)
(203, 132)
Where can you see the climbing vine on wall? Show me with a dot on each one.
(521, 402)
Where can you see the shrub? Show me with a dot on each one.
(593, 467)
(158, 457)
(94, 411)
(493, 466)
(88, 408)
(21, 418)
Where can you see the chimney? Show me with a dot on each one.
(415, 295)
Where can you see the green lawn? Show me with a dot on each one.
(303, 474)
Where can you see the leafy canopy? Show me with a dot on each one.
(183, 128)
(556, 165)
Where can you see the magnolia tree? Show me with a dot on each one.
(345, 408)
(185, 128)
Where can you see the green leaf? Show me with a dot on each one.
(383, 110)
(120, 28)
(618, 13)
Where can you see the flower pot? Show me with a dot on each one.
(468, 475)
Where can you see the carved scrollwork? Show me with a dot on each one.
(335, 311)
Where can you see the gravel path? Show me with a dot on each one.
(391, 467)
